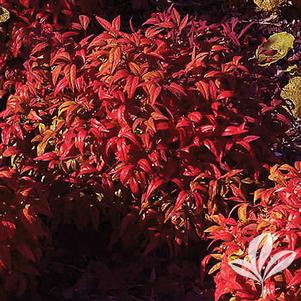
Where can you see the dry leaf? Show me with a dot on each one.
(292, 91)
(268, 5)
(293, 70)
(4, 14)
(275, 48)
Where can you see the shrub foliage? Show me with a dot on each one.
(277, 211)
(161, 129)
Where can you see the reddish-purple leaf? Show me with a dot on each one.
(84, 21)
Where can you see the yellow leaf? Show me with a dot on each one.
(214, 268)
(292, 91)
(56, 123)
(268, 5)
(4, 14)
(275, 48)
(65, 106)
(42, 128)
(212, 228)
(293, 70)
(258, 193)
(261, 226)
(277, 215)
(217, 256)
(242, 213)
(238, 252)
(43, 144)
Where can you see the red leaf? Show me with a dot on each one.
(213, 73)
(183, 23)
(114, 58)
(26, 252)
(134, 186)
(18, 131)
(217, 48)
(84, 21)
(151, 32)
(131, 85)
(166, 24)
(251, 138)
(72, 76)
(62, 84)
(145, 165)
(39, 47)
(210, 145)
(7, 230)
(195, 117)
(225, 94)
(86, 169)
(105, 24)
(56, 73)
(296, 280)
(80, 140)
(5, 257)
(11, 151)
(116, 23)
(125, 173)
(212, 89)
(153, 185)
(180, 200)
(28, 218)
(154, 92)
(61, 55)
(234, 130)
(176, 89)
(25, 3)
(203, 87)
(46, 157)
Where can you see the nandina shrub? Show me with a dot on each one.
(30, 22)
(33, 21)
(22, 202)
(160, 124)
(277, 211)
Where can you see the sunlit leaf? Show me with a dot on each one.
(275, 48)
(292, 91)
(293, 70)
(268, 5)
(4, 14)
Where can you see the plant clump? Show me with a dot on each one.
(276, 211)
(159, 130)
